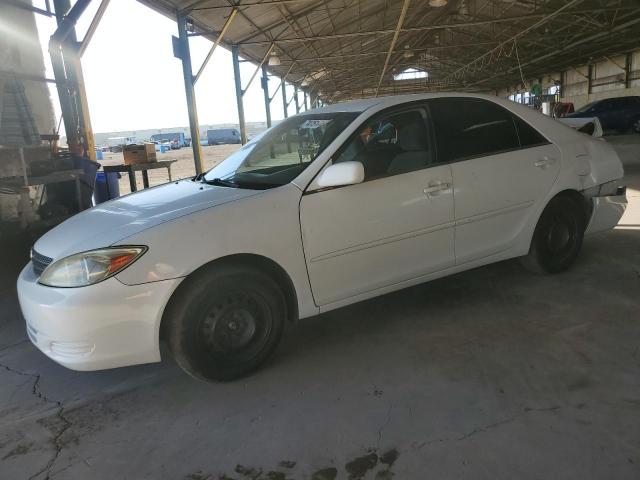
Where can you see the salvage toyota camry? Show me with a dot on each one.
(327, 208)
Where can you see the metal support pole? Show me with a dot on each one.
(82, 104)
(69, 117)
(590, 79)
(239, 93)
(295, 96)
(267, 99)
(67, 68)
(306, 105)
(627, 69)
(284, 99)
(187, 73)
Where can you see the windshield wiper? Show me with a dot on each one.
(221, 183)
(241, 184)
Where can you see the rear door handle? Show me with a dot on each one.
(544, 162)
(436, 187)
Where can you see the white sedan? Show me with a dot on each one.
(327, 208)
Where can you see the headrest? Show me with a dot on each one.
(411, 138)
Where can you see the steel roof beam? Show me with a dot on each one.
(219, 38)
(497, 50)
(425, 28)
(566, 48)
(93, 26)
(403, 15)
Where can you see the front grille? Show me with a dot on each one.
(40, 262)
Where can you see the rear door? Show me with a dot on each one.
(608, 114)
(502, 171)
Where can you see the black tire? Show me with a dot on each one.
(635, 125)
(558, 236)
(225, 321)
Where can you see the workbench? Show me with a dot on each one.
(20, 182)
(131, 169)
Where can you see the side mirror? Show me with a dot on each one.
(339, 174)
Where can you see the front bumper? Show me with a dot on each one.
(101, 326)
(606, 212)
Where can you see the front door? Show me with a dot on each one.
(395, 226)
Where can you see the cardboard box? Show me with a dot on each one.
(134, 154)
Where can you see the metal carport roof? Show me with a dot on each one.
(351, 48)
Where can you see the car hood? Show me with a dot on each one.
(110, 222)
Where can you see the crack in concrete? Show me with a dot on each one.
(488, 427)
(386, 422)
(7, 347)
(66, 424)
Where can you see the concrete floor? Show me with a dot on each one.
(493, 373)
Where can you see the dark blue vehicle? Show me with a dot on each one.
(621, 114)
(221, 136)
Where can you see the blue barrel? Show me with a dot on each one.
(99, 155)
(100, 193)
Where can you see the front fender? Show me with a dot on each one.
(266, 224)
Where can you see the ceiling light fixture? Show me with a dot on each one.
(438, 3)
(274, 59)
(407, 53)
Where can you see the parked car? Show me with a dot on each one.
(390, 192)
(562, 109)
(221, 136)
(176, 139)
(621, 113)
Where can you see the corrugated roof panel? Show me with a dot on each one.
(465, 45)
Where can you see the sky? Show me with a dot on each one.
(134, 82)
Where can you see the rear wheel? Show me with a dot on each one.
(635, 125)
(557, 239)
(225, 322)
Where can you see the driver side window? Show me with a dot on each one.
(390, 145)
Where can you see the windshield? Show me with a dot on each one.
(280, 154)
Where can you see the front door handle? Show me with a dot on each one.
(544, 162)
(436, 187)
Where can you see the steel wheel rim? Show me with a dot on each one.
(236, 323)
(560, 236)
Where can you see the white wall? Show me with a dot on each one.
(20, 52)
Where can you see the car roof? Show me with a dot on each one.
(389, 101)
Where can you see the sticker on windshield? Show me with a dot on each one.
(314, 123)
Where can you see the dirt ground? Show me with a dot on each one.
(183, 167)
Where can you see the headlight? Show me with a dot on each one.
(90, 267)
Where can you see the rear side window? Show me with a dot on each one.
(471, 127)
(529, 137)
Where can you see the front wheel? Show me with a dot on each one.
(557, 239)
(225, 321)
(635, 125)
